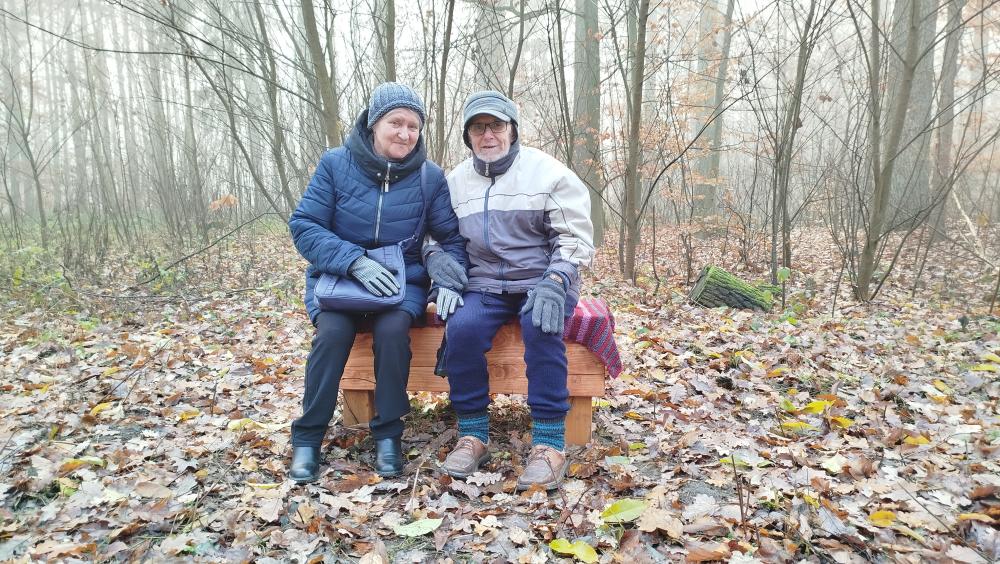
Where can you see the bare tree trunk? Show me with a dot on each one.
(632, 179)
(389, 54)
(910, 194)
(882, 171)
(327, 84)
(439, 147)
(519, 48)
(943, 159)
(270, 86)
(786, 141)
(706, 187)
(587, 111)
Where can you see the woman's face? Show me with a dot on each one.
(396, 133)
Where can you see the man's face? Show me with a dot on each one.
(396, 133)
(487, 143)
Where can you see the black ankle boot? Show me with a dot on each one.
(305, 464)
(389, 456)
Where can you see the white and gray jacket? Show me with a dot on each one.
(530, 220)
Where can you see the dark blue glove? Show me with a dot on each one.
(547, 304)
(446, 271)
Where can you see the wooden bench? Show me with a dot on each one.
(506, 367)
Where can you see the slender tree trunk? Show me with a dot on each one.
(710, 163)
(518, 50)
(786, 141)
(910, 196)
(884, 158)
(270, 87)
(439, 125)
(943, 160)
(587, 111)
(632, 179)
(389, 55)
(327, 84)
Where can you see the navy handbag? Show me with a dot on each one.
(343, 293)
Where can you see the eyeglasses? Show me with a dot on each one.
(495, 127)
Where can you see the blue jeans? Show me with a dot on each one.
(470, 331)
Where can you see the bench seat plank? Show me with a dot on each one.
(586, 379)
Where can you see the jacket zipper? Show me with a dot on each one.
(378, 206)
(486, 228)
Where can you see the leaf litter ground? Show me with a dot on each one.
(151, 421)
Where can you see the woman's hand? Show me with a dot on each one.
(375, 278)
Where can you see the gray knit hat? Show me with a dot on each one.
(488, 102)
(391, 95)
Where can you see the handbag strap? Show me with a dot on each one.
(423, 210)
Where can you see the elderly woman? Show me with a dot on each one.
(378, 189)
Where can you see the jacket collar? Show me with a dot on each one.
(498, 167)
(361, 146)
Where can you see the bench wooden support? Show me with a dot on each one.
(506, 367)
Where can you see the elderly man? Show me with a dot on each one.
(526, 217)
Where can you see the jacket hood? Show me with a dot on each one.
(362, 148)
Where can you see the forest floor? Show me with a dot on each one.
(149, 420)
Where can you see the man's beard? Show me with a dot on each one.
(493, 159)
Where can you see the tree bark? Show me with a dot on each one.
(389, 54)
(717, 288)
(882, 171)
(632, 179)
(327, 84)
(586, 160)
(943, 159)
(707, 187)
(439, 147)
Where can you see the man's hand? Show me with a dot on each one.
(447, 302)
(375, 278)
(446, 271)
(547, 304)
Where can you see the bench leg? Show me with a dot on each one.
(578, 420)
(358, 406)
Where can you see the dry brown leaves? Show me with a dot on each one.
(162, 431)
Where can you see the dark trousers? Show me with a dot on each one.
(331, 346)
(470, 333)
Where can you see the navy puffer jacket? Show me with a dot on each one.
(358, 200)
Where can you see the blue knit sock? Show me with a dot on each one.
(475, 425)
(549, 432)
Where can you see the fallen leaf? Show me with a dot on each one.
(417, 528)
(704, 552)
(623, 511)
(981, 517)
(882, 518)
(152, 489)
(817, 406)
(964, 554)
(484, 478)
(97, 409)
(796, 426)
(834, 464)
(578, 549)
(654, 518)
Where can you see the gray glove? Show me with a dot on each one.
(375, 278)
(446, 271)
(447, 302)
(547, 304)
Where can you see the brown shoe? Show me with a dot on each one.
(546, 467)
(465, 458)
